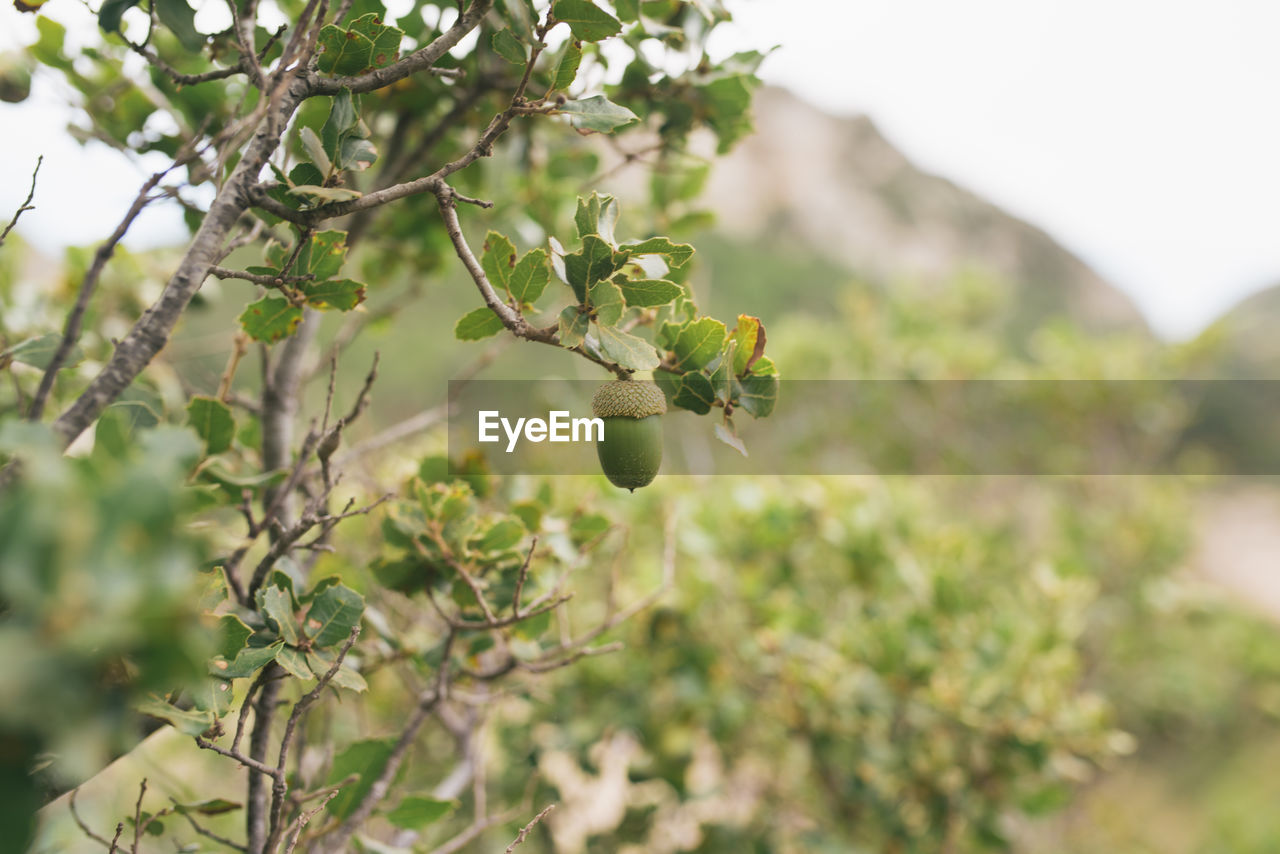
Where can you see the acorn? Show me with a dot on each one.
(631, 450)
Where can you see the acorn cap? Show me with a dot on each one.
(628, 399)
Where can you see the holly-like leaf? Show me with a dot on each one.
(38, 352)
(759, 394)
(627, 350)
(498, 260)
(698, 343)
(529, 278)
(416, 812)
(648, 292)
(294, 662)
(315, 150)
(588, 21)
(357, 153)
(478, 324)
(213, 806)
(333, 613)
(501, 536)
(270, 319)
(185, 722)
(365, 759)
(325, 195)
(606, 303)
(343, 119)
(247, 662)
(567, 67)
(180, 18)
(111, 12)
(573, 327)
(233, 634)
(750, 339)
(597, 215)
(277, 606)
(212, 695)
(344, 52)
(342, 294)
(323, 255)
(506, 45)
(213, 422)
(724, 434)
(677, 254)
(695, 393)
(594, 262)
(597, 114)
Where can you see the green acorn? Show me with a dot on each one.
(631, 450)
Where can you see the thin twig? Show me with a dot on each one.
(75, 814)
(26, 204)
(524, 831)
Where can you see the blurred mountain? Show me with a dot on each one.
(1244, 340)
(811, 196)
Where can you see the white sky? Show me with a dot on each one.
(1143, 134)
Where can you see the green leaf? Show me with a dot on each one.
(695, 393)
(529, 278)
(233, 634)
(759, 394)
(567, 67)
(627, 350)
(728, 102)
(597, 215)
(416, 812)
(213, 806)
(573, 327)
(698, 344)
(342, 294)
(212, 695)
(606, 303)
(346, 677)
(343, 119)
(38, 352)
(181, 21)
(730, 438)
(247, 662)
(365, 758)
(587, 528)
(587, 20)
(386, 40)
(478, 324)
(270, 319)
(344, 52)
(277, 606)
(213, 422)
(357, 153)
(315, 150)
(323, 255)
(333, 614)
(750, 339)
(317, 193)
(510, 48)
(597, 114)
(677, 254)
(498, 260)
(185, 722)
(294, 662)
(648, 292)
(502, 536)
(594, 262)
(111, 12)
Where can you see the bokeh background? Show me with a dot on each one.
(934, 190)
